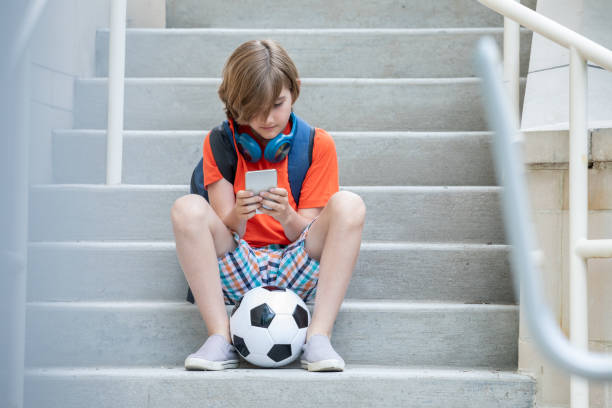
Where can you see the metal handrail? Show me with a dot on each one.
(519, 229)
(515, 15)
(116, 92)
(552, 30)
(581, 49)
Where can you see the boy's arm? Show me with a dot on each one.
(293, 222)
(223, 202)
(296, 223)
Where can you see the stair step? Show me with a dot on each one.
(399, 158)
(342, 104)
(148, 271)
(68, 212)
(356, 386)
(380, 53)
(365, 332)
(337, 14)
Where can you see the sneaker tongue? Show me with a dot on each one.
(318, 338)
(316, 341)
(220, 343)
(224, 341)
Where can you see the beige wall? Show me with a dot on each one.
(546, 154)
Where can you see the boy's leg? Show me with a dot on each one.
(334, 240)
(201, 237)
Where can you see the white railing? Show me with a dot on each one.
(526, 258)
(581, 49)
(116, 91)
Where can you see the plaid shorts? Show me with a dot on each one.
(286, 266)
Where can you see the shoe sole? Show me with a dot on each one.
(192, 363)
(323, 365)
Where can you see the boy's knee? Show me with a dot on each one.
(348, 206)
(189, 210)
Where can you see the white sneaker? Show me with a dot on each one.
(215, 354)
(319, 355)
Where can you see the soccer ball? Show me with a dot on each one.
(268, 326)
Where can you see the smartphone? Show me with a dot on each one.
(260, 180)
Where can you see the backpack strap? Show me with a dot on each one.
(225, 156)
(300, 157)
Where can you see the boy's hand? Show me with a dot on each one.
(246, 204)
(277, 200)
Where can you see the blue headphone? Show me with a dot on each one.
(276, 149)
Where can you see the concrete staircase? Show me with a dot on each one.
(430, 318)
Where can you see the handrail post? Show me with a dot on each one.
(512, 45)
(578, 219)
(116, 90)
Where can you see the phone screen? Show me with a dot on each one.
(260, 180)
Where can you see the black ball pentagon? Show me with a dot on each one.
(240, 346)
(275, 288)
(301, 316)
(261, 316)
(280, 352)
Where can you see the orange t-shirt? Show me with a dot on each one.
(320, 183)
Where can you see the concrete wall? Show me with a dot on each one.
(549, 191)
(546, 107)
(63, 49)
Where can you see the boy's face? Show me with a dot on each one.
(268, 128)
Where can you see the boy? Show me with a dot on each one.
(224, 248)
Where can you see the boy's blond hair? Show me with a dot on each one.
(253, 78)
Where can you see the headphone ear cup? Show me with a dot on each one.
(278, 148)
(248, 147)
